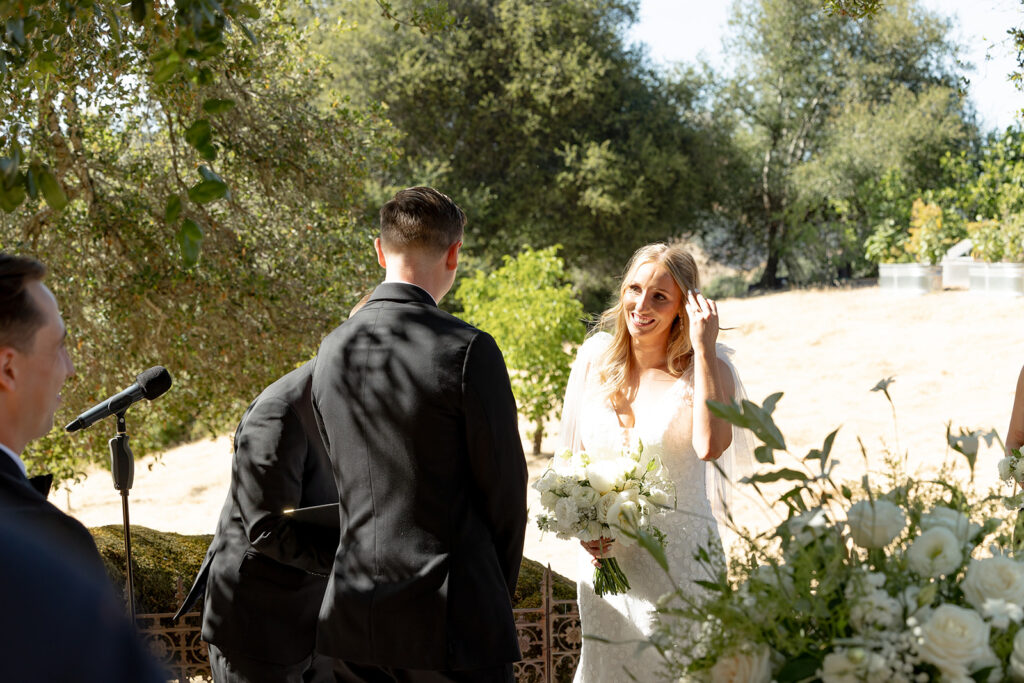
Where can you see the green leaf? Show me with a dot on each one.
(139, 11)
(199, 133)
(53, 193)
(711, 586)
(16, 31)
(653, 546)
(763, 426)
(207, 152)
(216, 106)
(730, 412)
(248, 9)
(165, 71)
(769, 477)
(209, 174)
(31, 182)
(206, 191)
(847, 493)
(190, 238)
(804, 667)
(883, 384)
(11, 198)
(764, 455)
(8, 171)
(173, 209)
(769, 403)
(249, 34)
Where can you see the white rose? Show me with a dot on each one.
(1016, 667)
(566, 514)
(954, 520)
(623, 514)
(935, 552)
(584, 496)
(747, 665)
(549, 499)
(546, 481)
(1005, 469)
(603, 474)
(875, 525)
(658, 497)
(998, 578)
(955, 640)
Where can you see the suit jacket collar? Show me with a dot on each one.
(10, 472)
(402, 292)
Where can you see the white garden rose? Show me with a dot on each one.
(955, 641)
(623, 513)
(745, 665)
(954, 520)
(546, 482)
(875, 524)
(994, 578)
(1016, 666)
(605, 475)
(584, 496)
(936, 552)
(1005, 469)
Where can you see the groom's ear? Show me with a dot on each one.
(380, 253)
(451, 259)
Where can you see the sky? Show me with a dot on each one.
(680, 30)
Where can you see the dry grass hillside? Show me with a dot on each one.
(955, 357)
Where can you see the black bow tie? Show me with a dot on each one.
(42, 483)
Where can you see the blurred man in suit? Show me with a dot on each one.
(53, 580)
(416, 410)
(265, 574)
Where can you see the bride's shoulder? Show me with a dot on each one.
(594, 345)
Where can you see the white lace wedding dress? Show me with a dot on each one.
(626, 619)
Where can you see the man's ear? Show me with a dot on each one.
(8, 368)
(451, 258)
(380, 253)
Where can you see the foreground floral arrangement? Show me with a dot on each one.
(609, 498)
(911, 580)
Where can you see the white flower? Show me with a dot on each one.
(566, 514)
(955, 640)
(876, 610)
(1000, 613)
(605, 504)
(623, 514)
(1005, 469)
(658, 496)
(809, 526)
(549, 499)
(851, 666)
(594, 531)
(935, 552)
(1016, 668)
(605, 475)
(584, 496)
(746, 665)
(998, 578)
(954, 520)
(875, 524)
(1018, 469)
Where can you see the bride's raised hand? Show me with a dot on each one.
(703, 316)
(598, 549)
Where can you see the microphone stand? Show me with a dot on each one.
(122, 467)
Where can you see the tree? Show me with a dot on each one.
(283, 253)
(823, 107)
(540, 121)
(536, 321)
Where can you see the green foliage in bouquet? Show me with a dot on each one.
(907, 579)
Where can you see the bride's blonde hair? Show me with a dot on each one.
(616, 363)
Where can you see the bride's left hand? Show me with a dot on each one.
(703, 315)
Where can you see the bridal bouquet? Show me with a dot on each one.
(893, 578)
(614, 499)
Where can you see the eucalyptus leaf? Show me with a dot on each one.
(760, 422)
(190, 239)
(199, 133)
(173, 209)
(215, 106)
(764, 455)
(165, 71)
(776, 475)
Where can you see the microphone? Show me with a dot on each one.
(148, 385)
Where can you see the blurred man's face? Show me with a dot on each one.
(44, 368)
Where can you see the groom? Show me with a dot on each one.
(418, 417)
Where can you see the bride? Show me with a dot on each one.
(645, 377)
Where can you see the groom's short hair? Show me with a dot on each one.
(421, 218)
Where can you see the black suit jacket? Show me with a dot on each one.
(417, 412)
(262, 598)
(23, 506)
(60, 622)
